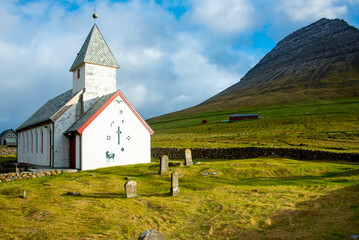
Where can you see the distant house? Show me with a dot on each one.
(239, 117)
(8, 137)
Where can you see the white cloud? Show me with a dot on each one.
(225, 16)
(304, 10)
(167, 63)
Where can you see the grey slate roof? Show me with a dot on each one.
(86, 116)
(47, 110)
(95, 50)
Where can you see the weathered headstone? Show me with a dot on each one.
(131, 189)
(163, 164)
(188, 157)
(23, 194)
(151, 235)
(174, 184)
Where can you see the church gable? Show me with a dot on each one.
(114, 136)
(100, 106)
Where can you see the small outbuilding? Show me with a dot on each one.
(239, 117)
(8, 138)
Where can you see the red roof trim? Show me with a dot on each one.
(100, 110)
(149, 129)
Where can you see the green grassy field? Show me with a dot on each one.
(331, 125)
(247, 199)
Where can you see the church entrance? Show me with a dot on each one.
(73, 151)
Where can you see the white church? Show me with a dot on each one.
(91, 126)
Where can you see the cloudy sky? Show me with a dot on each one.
(172, 54)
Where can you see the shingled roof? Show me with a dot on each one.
(47, 111)
(95, 50)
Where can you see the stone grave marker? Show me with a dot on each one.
(151, 235)
(174, 184)
(23, 194)
(163, 164)
(131, 189)
(188, 157)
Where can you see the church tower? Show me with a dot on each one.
(94, 69)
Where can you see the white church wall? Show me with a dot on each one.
(99, 81)
(61, 142)
(115, 137)
(35, 150)
(78, 83)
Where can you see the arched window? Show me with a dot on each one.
(22, 143)
(27, 142)
(42, 142)
(31, 142)
(36, 142)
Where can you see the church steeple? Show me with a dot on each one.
(96, 51)
(94, 69)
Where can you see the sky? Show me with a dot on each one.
(172, 54)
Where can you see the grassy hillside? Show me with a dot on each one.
(247, 199)
(323, 124)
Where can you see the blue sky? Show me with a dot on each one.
(172, 54)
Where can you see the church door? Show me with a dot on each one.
(73, 151)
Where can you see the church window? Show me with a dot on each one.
(23, 142)
(42, 142)
(27, 142)
(36, 142)
(78, 73)
(32, 143)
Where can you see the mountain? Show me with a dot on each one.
(319, 61)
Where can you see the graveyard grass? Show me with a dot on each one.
(263, 198)
(329, 125)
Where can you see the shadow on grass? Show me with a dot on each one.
(115, 195)
(333, 216)
(97, 195)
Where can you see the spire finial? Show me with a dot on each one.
(94, 15)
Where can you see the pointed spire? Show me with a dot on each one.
(95, 50)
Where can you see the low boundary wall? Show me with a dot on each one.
(254, 152)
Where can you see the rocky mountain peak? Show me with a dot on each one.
(313, 57)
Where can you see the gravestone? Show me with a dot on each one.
(23, 194)
(188, 157)
(163, 164)
(131, 189)
(151, 235)
(174, 184)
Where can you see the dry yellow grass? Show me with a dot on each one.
(248, 199)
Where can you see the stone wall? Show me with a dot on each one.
(254, 152)
(8, 177)
(5, 150)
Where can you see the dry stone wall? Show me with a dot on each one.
(5, 150)
(8, 177)
(254, 152)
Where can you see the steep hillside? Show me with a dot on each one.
(319, 61)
